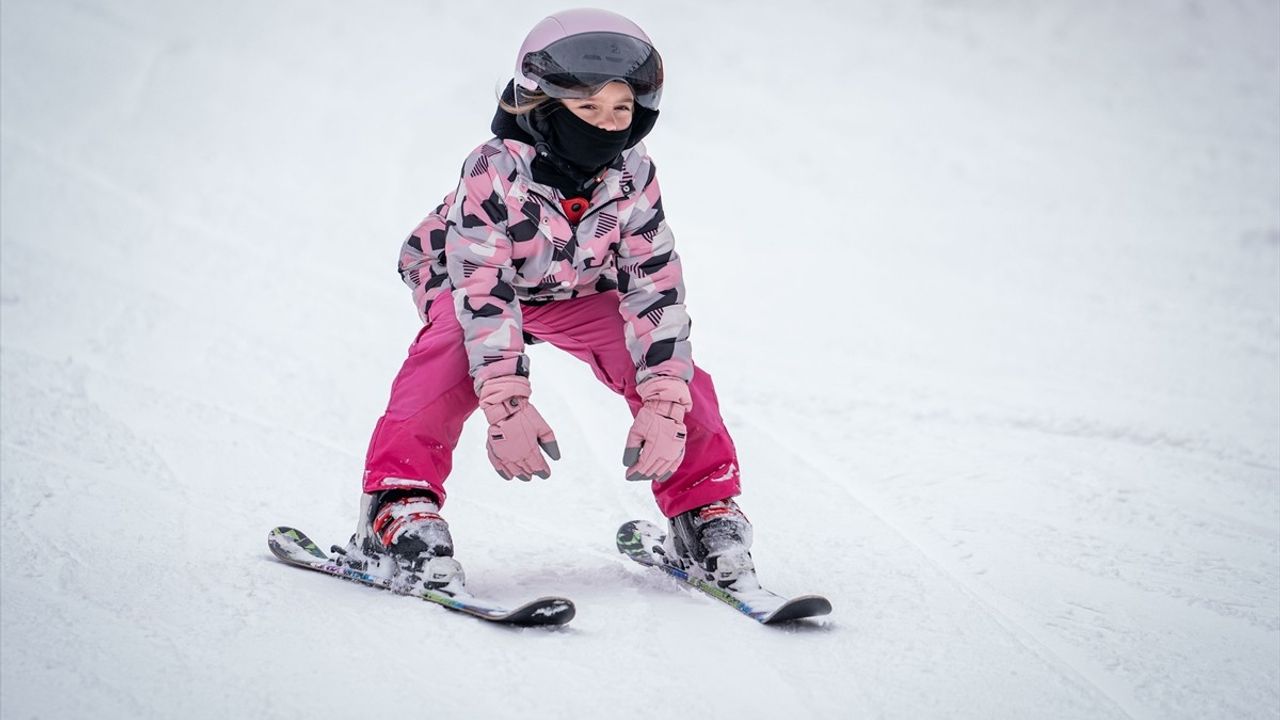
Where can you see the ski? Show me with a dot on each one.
(295, 548)
(642, 541)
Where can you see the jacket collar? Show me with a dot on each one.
(615, 182)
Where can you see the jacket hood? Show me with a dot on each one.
(504, 124)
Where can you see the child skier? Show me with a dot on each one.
(555, 233)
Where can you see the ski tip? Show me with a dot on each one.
(799, 608)
(543, 611)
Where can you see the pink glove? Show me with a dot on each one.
(516, 430)
(655, 445)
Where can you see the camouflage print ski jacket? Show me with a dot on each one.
(501, 240)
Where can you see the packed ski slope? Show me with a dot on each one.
(990, 290)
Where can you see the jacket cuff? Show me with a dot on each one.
(517, 366)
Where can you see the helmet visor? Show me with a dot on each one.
(579, 65)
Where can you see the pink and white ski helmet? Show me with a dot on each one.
(573, 53)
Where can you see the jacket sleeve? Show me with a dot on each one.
(652, 288)
(478, 260)
(421, 263)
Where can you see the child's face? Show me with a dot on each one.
(609, 109)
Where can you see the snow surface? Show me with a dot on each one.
(990, 290)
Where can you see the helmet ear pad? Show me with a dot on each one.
(534, 122)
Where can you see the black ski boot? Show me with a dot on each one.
(401, 537)
(714, 541)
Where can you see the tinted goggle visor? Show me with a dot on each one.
(579, 65)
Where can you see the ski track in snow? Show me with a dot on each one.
(988, 604)
(1019, 418)
(1066, 636)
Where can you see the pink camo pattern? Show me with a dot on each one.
(501, 239)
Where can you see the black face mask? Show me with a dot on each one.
(585, 147)
(561, 163)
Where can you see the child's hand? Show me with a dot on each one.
(655, 444)
(517, 433)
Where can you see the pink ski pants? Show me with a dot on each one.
(432, 396)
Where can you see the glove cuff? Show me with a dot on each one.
(500, 397)
(668, 396)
